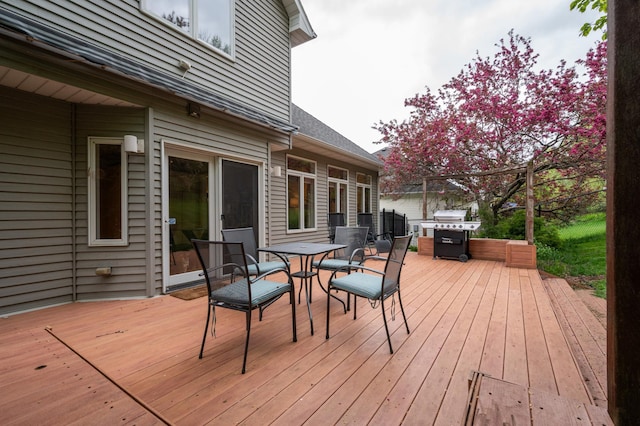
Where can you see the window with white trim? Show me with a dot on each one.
(338, 184)
(209, 21)
(363, 193)
(107, 192)
(301, 194)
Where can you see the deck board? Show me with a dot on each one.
(471, 353)
(479, 315)
(426, 404)
(540, 369)
(567, 375)
(585, 334)
(515, 357)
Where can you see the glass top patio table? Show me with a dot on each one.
(306, 251)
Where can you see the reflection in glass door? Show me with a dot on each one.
(239, 195)
(188, 210)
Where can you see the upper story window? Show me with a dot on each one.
(301, 193)
(209, 21)
(363, 189)
(107, 192)
(338, 183)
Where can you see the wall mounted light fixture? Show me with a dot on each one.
(133, 145)
(275, 171)
(193, 110)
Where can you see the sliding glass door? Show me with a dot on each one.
(202, 195)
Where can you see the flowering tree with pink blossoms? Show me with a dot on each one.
(498, 114)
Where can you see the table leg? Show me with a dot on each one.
(305, 276)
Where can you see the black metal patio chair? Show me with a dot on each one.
(224, 267)
(335, 219)
(354, 237)
(376, 243)
(248, 238)
(374, 285)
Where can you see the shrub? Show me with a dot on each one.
(513, 228)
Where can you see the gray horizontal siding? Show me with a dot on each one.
(211, 135)
(35, 202)
(258, 77)
(278, 200)
(128, 264)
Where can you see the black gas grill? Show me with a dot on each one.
(451, 234)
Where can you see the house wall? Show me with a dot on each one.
(128, 263)
(411, 205)
(257, 76)
(44, 256)
(278, 205)
(36, 202)
(44, 218)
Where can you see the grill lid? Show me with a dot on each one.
(450, 215)
(451, 220)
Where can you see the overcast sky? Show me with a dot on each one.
(370, 55)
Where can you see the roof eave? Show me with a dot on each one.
(300, 30)
(55, 41)
(322, 147)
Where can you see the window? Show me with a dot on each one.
(338, 183)
(209, 21)
(107, 192)
(363, 189)
(301, 191)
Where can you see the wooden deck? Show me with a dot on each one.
(136, 362)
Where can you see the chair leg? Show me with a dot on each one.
(355, 306)
(246, 344)
(406, 324)
(386, 327)
(206, 328)
(328, 306)
(292, 300)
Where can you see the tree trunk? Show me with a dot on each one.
(424, 204)
(530, 204)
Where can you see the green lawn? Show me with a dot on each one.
(585, 226)
(582, 255)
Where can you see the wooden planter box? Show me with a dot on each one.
(521, 255)
(516, 254)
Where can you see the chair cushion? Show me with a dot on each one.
(333, 264)
(265, 267)
(261, 291)
(363, 285)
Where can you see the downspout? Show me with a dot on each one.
(148, 201)
(268, 201)
(74, 251)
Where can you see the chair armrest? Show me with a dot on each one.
(274, 271)
(251, 259)
(282, 256)
(236, 269)
(324, 256)
(376, 257)
(358, 252)
(349, 268)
